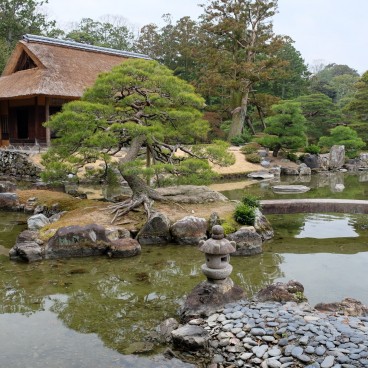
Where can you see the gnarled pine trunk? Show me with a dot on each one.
(142, 193)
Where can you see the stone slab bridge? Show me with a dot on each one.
(285, 206)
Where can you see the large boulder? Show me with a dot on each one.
(311, 160)
(337, 157)
(348, 307)
(27, 247)
(123, 248)
(248, 242)
(77, 241)
(8, 201)
(7, 187)
(304, 170)
(190, 338)
(156, 230)
(189, 230)
(292, 291)
(323, 161)
(26, 251)
(37, 222)
(207, 297)
(261, 175)
(263, 226)
(286, 170)
(191, 194)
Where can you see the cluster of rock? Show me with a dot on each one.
(277, 335)
(335, 160)
(275, 172)
(17, 165)
(92, 240)
(74, 241)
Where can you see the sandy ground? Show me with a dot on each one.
(97, 212)
(241, 164)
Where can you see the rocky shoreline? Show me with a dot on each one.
(279, 335)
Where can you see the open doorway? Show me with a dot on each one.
(22, 123)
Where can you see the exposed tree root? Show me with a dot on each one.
(122, 208)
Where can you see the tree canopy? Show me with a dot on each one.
(111, 32)
(18, 17)
(321, 115)
(345, 136)
(285, 129)
(139, 108)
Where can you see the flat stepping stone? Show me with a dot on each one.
(285, 189)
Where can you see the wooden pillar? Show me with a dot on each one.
(47, 118)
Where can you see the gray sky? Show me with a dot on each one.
(327, 31)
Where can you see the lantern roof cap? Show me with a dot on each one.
(217, 244)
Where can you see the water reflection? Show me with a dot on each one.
(323, 185)
(322, 226)
(42, 340)
(87, 312)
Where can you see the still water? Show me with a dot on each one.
(89, 312)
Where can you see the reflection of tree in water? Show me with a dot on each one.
(121, 306)
(255, 273)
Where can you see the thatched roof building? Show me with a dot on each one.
(42, 74)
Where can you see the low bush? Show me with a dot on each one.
(241, 139)
(251, 200)
(292, 157)
(252, 147)
(253, 158)
(313, 149)
(245, 214)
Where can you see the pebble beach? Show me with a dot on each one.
(275, 335)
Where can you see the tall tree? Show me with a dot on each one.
(346, 136)
(359, 104)
(139, 104)
(111, 32)
(239, 50)
(322, 81)
(357, 109)
(18, 17)
(286, 128)
(173, 45)
(321, 115)
(294, 80)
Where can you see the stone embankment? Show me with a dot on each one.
(320, 205)
(275, 335)
(18, 165)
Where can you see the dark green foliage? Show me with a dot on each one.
(359, 106)
(241, 139)
(346, 136)
(244, 214)
(250, 148)
(321, 115)
(285, 129)
(292, 157)
(112, 32)
(251, 200)
(294, 81)
(18, 17)
(334, 80)
(142, 106)
(312, 149)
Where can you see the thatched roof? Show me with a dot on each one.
(51, 67)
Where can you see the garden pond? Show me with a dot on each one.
(96, 312)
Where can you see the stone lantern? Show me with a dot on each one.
(217, 251)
